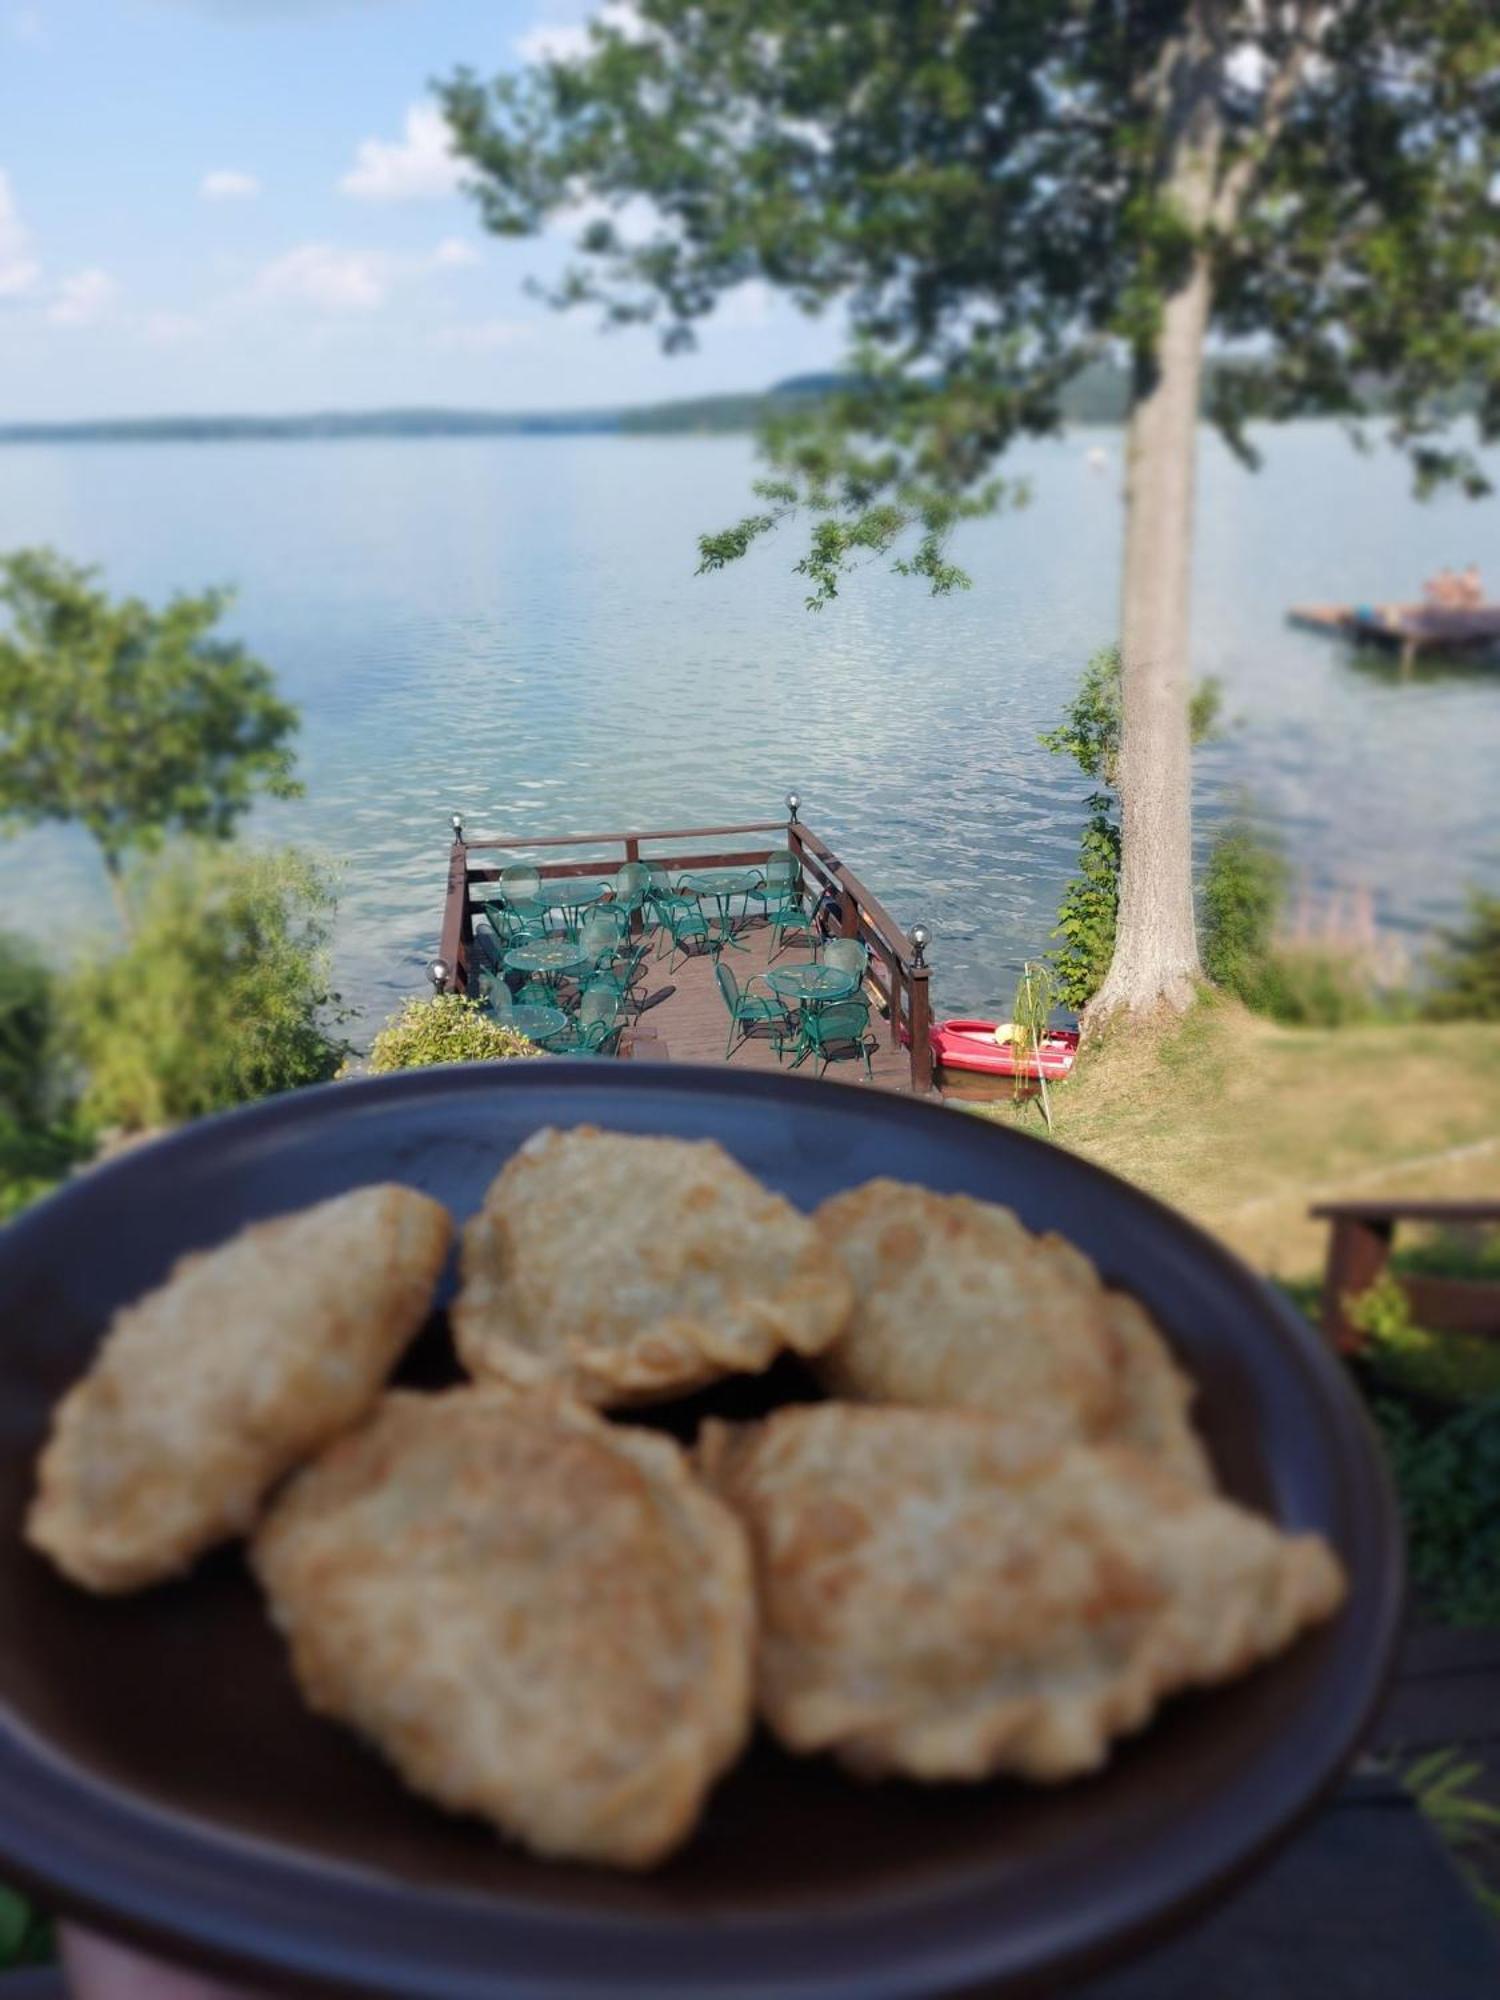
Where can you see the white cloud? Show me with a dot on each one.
(333, 280)
(482, 336)
(83, 299)
(416, 167)
(228, 184)
(570, 41)
(454, 253)
(27, 27)
(169, 329)
(19, 270)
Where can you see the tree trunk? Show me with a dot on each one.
(1155, 962)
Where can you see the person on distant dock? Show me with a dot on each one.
(1471, 589)
(1444, 590)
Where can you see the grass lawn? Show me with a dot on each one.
(1243, 1123)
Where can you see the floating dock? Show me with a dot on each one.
(1410, 629)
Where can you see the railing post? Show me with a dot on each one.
(921, 1031)
(919, 1012)
(458, 920)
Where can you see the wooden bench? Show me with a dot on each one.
(1359, 1248)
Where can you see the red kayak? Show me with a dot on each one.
(971, 1045)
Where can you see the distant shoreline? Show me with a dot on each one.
(1098, 396)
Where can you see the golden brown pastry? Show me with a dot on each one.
(627, 1269)
(959, 1306)
(927, 1609)
(538, 1616)
(210, 1388)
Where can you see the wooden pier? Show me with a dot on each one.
(1410, 629)
(683, 1018)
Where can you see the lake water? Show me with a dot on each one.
(512, 628)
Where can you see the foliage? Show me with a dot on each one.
(448, 1028)
(1441, 1783)
(1448, 1478)
(1465, 969)
(221, 995)
(1000, 196)
(1244, 884)
(1447, 1367)
(1089, 733)
(27, 1036)
(1319, 985)
(133, 722)
(37, 1141)
(25, 1935)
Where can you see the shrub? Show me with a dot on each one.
(1465, 969)
(1318, 986)
(1244, 886)
(37, 1141)
(220, 996)
(1447, 1367)
(27, 1035)
(449, 1028)
(1448, 1478)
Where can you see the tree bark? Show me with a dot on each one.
(1155, 961)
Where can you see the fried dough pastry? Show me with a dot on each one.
(207, 1390)
(538, 1616)
(928, 1610)
(627, 1269)
(1154, 1397)
(959, 1306)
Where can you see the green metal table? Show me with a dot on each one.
(550, 958)
(803, 987)
(722, 888)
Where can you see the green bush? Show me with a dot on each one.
(1244, 885)
(1448, 1479)
(449, 1028)
(1318, 986)
(1465, 970)
(1447, 1367)
(220, 996)
(38, 1142)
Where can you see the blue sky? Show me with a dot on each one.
(246, 205)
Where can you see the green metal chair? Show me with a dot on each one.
(494, 996)
(632, 883)
(689, 929)
(510, 925)
(837, 1029)
(520, 882)
(788, 919)
(536, 993)
(601, 934)
(619, 974)
(749, 1011)
(594, 1030)
(846, 955)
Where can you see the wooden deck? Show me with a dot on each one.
(685, 1020)
(1411, 628)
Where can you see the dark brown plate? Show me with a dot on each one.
(159, 1774)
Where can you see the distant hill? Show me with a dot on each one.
(1099, 395)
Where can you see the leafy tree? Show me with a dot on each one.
(448, 1028)
(135, 723)
(1000, 193)
(38, 1141)
(221, 995)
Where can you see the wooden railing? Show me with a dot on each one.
(898, 974)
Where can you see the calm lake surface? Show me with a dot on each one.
(512, 628)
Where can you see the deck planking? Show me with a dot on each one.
(686, 1015)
